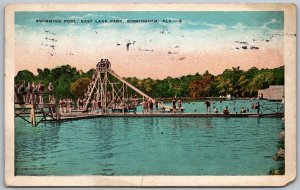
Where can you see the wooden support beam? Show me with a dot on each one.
(130, 85)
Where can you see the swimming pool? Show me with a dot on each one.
(148, 146)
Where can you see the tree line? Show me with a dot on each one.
(69, 82)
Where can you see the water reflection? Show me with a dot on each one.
(148, 146)
(148, 124)
(36, 143)
(104, 144)
(208, 124)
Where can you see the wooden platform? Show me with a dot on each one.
(30, 112)
(177, 115)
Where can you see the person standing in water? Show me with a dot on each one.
(145, 105)
(216, 110)
(179, 103)
(226, 111)
(258, 107)
(174, 105)
(156, 104)
(207, 104)
(151, 106)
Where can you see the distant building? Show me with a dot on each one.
(275, 92)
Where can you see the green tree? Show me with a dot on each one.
(224, 86)
(201, 87)
(251, 72)
(148, 84)
(161, 89)
(279, 76)
(242, 86)
(79, 87)
(232, 81)
(231, 77)
(24, 75)
(261, 81)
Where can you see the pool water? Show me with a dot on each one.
(233, 106)
(148, 146)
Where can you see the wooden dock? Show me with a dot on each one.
(35, 113)
(162, 115)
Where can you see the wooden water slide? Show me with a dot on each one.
(136, 89)
(130, 85)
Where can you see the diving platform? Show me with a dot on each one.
(112, 91)
(35, 113)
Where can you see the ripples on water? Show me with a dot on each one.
(148, 146)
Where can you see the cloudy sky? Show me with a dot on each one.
(192, 42)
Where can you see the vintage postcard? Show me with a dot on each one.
(150, 94)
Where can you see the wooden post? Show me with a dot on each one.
(101, 91)
(105, 91)
(57, 112)
(123, 94)
(32, 114)
(113, 91)
(143, 104)
(98, 91)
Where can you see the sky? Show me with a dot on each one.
(170, 43)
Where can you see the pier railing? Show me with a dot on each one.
(271, 108)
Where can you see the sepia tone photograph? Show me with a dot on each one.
(150, 95)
